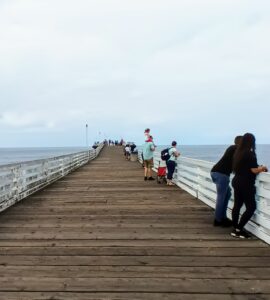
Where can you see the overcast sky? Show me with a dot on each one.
(194, 71)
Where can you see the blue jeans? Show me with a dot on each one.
(171, 168)
(224, 193)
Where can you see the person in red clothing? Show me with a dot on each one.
(147, 133)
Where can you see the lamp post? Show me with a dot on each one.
(86, 134)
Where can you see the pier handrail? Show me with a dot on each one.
(19, 180)
(193, 176)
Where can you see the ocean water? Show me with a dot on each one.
(204, 152)
(213, 153)
(17, 155)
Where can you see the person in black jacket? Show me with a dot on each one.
(246, 168)
(220, 174)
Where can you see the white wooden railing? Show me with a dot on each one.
(193, 176)
(19, 180)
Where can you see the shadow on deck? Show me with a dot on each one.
(102, 232)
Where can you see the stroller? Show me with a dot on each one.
(161, 172)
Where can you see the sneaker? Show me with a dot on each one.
(235, 233)
(151, 178)
(145, 178)
(244, 235)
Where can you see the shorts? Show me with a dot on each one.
(148, 163)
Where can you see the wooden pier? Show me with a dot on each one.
(102, 232)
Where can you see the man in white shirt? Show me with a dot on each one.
(127, 151)
(171, 162)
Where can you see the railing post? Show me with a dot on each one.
(15, 182)
(198, 182)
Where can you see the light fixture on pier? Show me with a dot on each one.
(86, 135)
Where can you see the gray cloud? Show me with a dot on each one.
(200, 65)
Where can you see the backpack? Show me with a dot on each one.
(165, 154)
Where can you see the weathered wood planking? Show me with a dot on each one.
(124, 296)
(103, 233)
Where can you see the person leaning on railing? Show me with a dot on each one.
(220, 175)
(245, 168)
(171, 162)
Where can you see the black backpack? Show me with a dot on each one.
(165, 154)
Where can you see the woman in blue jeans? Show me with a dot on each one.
(171, 162)
(220, 175)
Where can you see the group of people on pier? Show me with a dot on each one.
(239, 159)
(113, 142)
(148, 155)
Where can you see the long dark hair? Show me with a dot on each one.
(247, 144)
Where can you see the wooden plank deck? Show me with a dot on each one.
(104, 233)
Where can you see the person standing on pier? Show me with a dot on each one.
(171, 162)
(245, 168)
(220, 175)
(148, 154)
(146, 137)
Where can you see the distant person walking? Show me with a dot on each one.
(127, 152)
(171, 162)
(246, 168)
(148, 154)
(220, 175)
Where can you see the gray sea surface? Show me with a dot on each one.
(18, 155)
(204, 152)
(213, 153)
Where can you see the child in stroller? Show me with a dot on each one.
(161, 172)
